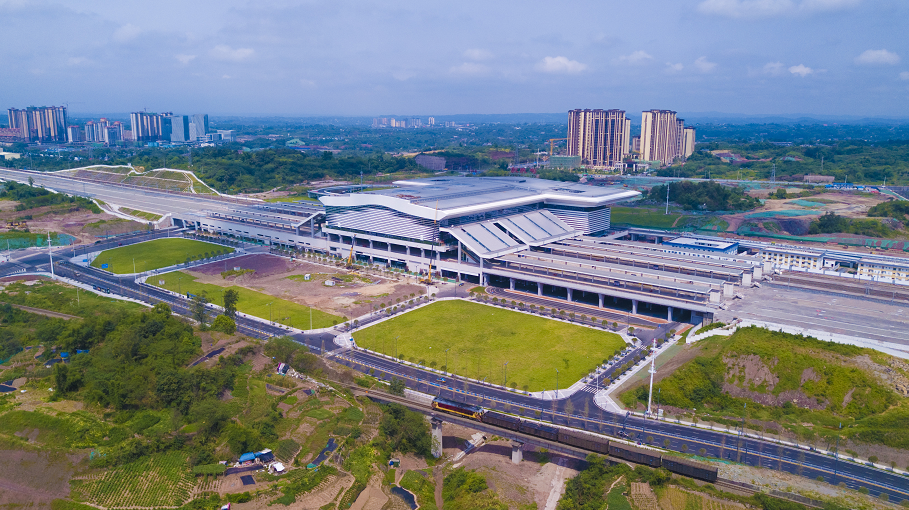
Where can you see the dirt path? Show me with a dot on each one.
(41, 311)
(557, 486)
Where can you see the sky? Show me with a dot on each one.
(440, 57)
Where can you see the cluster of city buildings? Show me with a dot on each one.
(414, 122)
(603, 139)
(49, 124)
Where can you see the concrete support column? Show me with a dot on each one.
(569, 295)
(539, 289)
(517, 455)
(669, 314)
(600, 298)
(511, 283)
(634, 306)
(370, 244)
(312, 228)
(459, 252)
(436, 438)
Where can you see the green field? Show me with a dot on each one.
(482, 338)
(251, 302)
(642, 217)
(156, 254)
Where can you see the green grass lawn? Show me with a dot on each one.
(642, 217)
(482, 338)
(155, 254)
(251, 302)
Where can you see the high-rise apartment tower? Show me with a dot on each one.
(662, 136)
(40, 124)
(599, 137)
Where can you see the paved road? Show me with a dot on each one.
(144, 200)
(576, 410)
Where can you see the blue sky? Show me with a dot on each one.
(342, 57)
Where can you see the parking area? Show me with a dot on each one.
(834, 314)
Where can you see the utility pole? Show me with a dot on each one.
(652, 371)
(51, 255)
(773, 174)
(667, 198)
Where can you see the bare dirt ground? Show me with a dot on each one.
(81, 224)
(843, 203)
(33, 479)
(354, 296)
(531, 481)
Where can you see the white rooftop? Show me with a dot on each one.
(451, 197)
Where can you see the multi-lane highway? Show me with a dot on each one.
(146, 199)
(576, 410)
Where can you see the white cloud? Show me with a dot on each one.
(76, 61)
(478, 54)
(224, 52)
(225, 77)
(469, 68)
(765, 8)
(126, 33)
(703, 65)
(670, 67)
(801, 70)
(560, 65)
(636, 57)
(307, 83)
(185, 59)
(774, 68)
(874, 57)
(904, 75)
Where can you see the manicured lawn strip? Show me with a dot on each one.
(477, 334)
(142, 214)
(642, 217)
(155, 254)
(251, 302)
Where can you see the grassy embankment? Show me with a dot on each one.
(804, 385)
(480, 339)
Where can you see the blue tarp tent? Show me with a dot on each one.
(247, 456)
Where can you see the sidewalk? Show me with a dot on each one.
(603, 398)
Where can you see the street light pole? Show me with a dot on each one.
(557, 383)
(447, 368)
(505, 374)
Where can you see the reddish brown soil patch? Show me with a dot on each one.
(22, 278)
(32, 479)
(263, 265)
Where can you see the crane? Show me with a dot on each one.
(350, 257)
(551, 144)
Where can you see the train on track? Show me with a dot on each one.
(579, 439)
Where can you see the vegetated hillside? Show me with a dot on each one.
(157, 426)
(30, 197)
(896, 209)
(853, 160)
(803, 384)
(832, 223)
(709, 196)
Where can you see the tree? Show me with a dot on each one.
(198, 308)
(397, 386)
(231, 297)
(224, 324)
